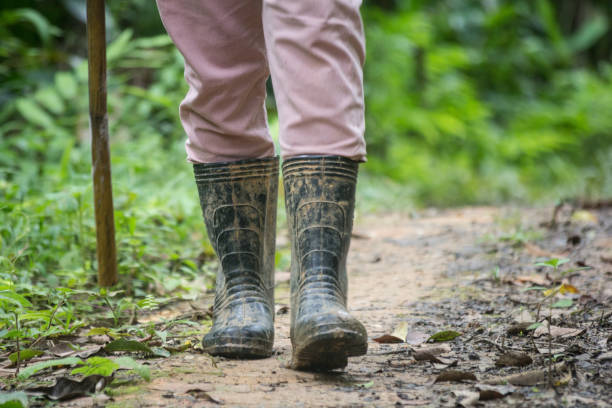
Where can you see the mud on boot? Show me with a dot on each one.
(238, 201)
(320, 201)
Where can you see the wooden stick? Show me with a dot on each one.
(100, 153)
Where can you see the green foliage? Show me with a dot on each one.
(13, 400)
(36, 367)
(481, 103)
(445, 335)
(96, 366)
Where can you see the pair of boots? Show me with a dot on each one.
(239, 201)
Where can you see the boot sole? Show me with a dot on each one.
(249, 349)
(329, 350)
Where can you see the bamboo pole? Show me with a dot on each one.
(100, 153)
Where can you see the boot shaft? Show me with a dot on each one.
(319, 198)
(239, 201)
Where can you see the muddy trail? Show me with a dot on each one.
(457, 312)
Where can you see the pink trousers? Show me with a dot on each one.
(314, 50)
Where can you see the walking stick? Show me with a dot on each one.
(100, 154)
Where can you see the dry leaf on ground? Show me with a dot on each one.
(513, 359)
(556, 331)
(531, 377)
(466, 398)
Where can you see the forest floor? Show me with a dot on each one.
(526, 334)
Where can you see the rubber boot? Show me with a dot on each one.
(239, 201)
(320, 202)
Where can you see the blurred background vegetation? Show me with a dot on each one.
(468, 102)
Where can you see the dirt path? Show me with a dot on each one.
(442, 270)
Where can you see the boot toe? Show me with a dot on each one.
(325, 341)
(250, 341)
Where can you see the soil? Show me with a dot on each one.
(414, 275)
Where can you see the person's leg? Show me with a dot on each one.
(316, 52)
(236, 173)
(226, 68)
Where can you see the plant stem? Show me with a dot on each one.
(18, 345)
(115, 317)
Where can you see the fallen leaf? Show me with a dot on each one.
(567, 288)
(491, 392)
(65, 388)
(556, 331)
(425, 356)
(398, 336)
(201, 394)
(416, 337)
(522, 316)
(455, 376)
(488, 395)
(388, 338)
(546, 351)
(65, 349)
(532, 377)
(535, 279)
(540, 252)
(466, 398)
(513, 359)
(563, 288)
(446, 335)
(434, 354)
(401, 331)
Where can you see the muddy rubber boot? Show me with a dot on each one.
(320, 201)
(239, 202)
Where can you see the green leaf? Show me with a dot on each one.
(129, 363)
(66, 85)
(589, 33)
(136, 346)
(96, 366)
(13, 400)
(553, 263)
(160, 351)
(562, 303)
(43, 27)
(533, 326)
(34, 368)
(446, 335)
(24, 355)
(40, 314)
(49, 98)
(33, 113)
(121, 46)
(14, 298)
(98, 331)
